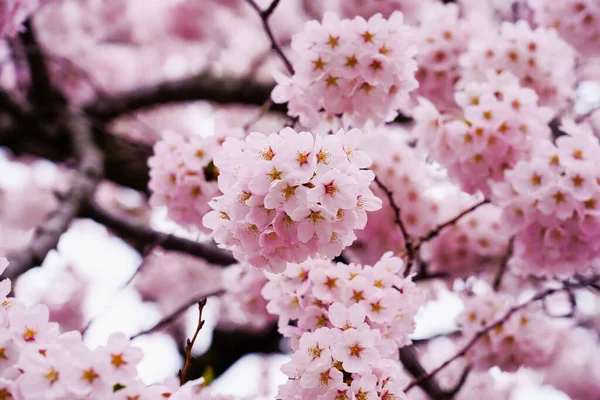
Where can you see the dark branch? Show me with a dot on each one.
(463, 378)
(41, 91)
(120, 154)
(504, 264)
(408, 245)
(89, 172)
(227, 90)
(410, 360)
(140, 236)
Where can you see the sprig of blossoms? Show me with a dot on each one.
(539, 58)
(552, 203)
(527, 338)
(441, 37)
(495, 130)
(183, 176)
(290, 195)
(350, 321)
(577, 21)
(37, 362)
(363, 70)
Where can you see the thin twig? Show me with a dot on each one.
(175, 314)
(463, 378)
(140, 236)
(190, 344)
(264, 17)
(465, 349)
(408, 245)
(437, 230)
(504, 264)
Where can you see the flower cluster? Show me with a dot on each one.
(441, 38)
(183, 176)
(351, 319)
(552, 203)
(290, 195)
(361, 69)
(243, 304)
(475, 242)
(577, 21)
(402, 171)
(527, 338)
(39, 363)
(539, 58)
(305, 292)
(368, 8)
(498, 123)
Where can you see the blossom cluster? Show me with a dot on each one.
(183, 176)
(351, 319)
(367, 8)
(290, 195)
(361, 69)
(405, 173)
(575, 21)
(475, 242)
(441, 37)
(305, 292)
(38, 362)
(243, 305)
(551, 202)
(527, 338)
(496, 128)
(539, 58)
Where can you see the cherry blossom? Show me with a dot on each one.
(288, 202)
(550, 202)
(538, 58)
(575, 21)
(495, 130)
(361, 69)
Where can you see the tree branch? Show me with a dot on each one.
(464, 350)
(264, 17)
(169, 319)
(89, 172)
(41, 91)
(190, 344)
(408, 245)
(437, 230)
(410, 360)
(140, 236)
(227, 90)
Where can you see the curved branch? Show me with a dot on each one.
(89, 172)
(140, 236)
(410, 360)
(204, 86)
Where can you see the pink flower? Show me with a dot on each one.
(347, 318)
(120, 356)
(355, 350)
